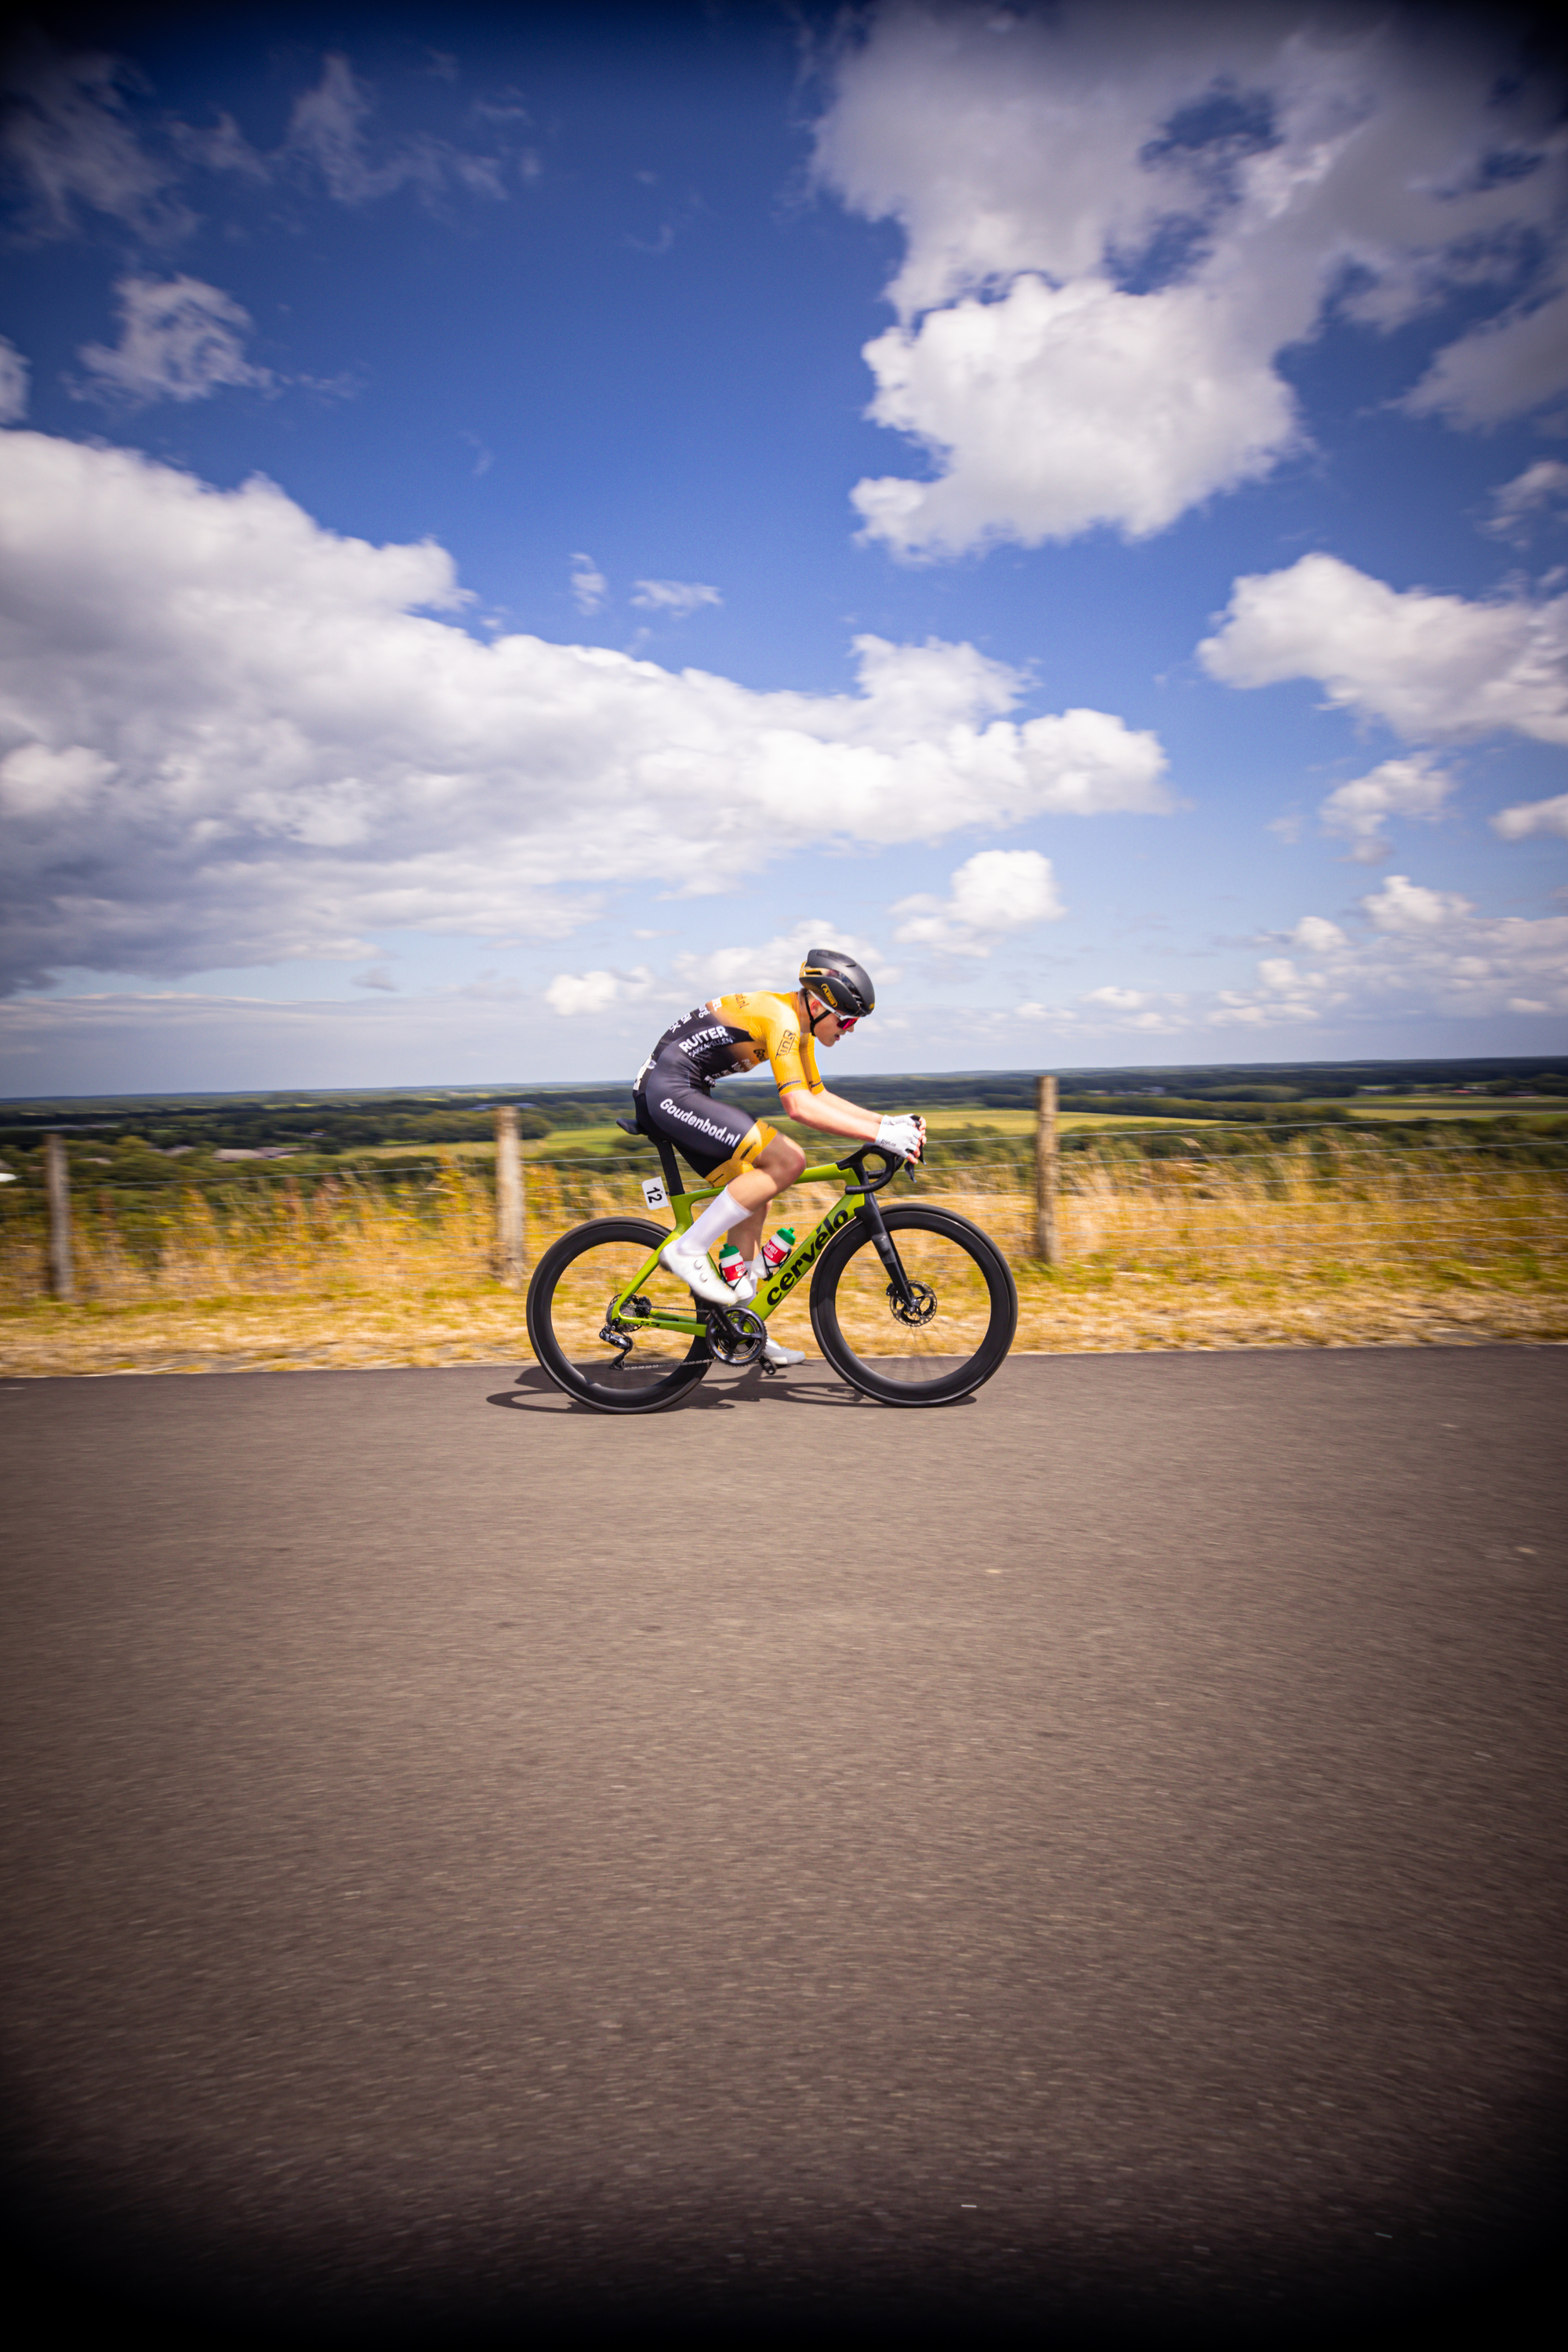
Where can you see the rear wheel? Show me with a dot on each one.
(952, 1337)
(569, 1301)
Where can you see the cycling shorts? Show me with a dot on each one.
(719, 1139)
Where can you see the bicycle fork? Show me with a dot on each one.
(871, 1209)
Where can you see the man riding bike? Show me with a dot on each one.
(751, 1160)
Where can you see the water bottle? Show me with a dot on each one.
(731, 1265)
(776, 1249)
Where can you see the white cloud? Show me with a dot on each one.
(589, 585)
(1404, 906)
(274, 746)
(327, 136)
(1502, 369)
(1415, 953)
(773, 963)
(37, 782)
(1044, 398)
(74, 145)
(179, 339)
(1115, 1011)
(1117, 217)
(1533, 816)
(1359, 810)
(678, 598)
(377, 977)
(1541, 490)
(69, 144)
(1129, 1012)
(995, 892)
(570, 993)
(12, 383)
(715, 972)
(1424, 951)
(1317, 935)
(222, 148)
(1429, 664)
(166, 1039)
(1430, 950)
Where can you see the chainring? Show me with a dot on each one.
(736, 1335)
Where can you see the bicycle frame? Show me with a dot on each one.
(856, 1200)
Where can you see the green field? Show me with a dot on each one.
(955, 1124)
(151, 1145)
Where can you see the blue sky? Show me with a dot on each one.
(512, 521)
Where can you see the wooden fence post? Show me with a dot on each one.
(512, 1218)
(57, 1178)
(1046, 1243)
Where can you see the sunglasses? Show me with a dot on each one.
(847, 1021)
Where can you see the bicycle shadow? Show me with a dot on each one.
(811, 1385)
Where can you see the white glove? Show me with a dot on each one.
(905, 1134)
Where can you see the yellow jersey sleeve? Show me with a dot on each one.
(771, 1024)
(791, 1050)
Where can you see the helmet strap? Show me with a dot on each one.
(813, 1018)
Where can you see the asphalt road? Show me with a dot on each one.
(1094, 1855)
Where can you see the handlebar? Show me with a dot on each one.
(892, 1162)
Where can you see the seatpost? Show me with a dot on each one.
(668, 1163)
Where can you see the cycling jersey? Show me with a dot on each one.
(721, 1039)
(730, 1034)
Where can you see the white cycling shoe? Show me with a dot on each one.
(774, 1354)
(697, 1270)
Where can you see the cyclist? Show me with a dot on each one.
(749, 1159)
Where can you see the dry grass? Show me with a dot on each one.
(1293, 1250)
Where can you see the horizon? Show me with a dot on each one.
(1502, 1064)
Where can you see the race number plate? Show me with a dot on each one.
(653, 1192)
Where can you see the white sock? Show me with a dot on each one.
(757, 1267)
(714, 1222)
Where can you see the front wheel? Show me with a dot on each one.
(952, 1337)
(625, 1366)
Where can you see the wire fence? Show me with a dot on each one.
(1428, 1215)
(1317, 1206)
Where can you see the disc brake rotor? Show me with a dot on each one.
(920, 1308)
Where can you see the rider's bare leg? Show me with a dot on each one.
(771, 1173)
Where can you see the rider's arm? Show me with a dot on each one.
(830, 1114)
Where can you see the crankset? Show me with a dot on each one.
(919, 1308)
(736, 1335)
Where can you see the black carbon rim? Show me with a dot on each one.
(571, 1288)
(936, 1361)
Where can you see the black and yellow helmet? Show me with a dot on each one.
(839, 981)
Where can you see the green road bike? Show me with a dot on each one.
(911, 1304)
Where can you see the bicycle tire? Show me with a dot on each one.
(567, 1301)
(970, 1330)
